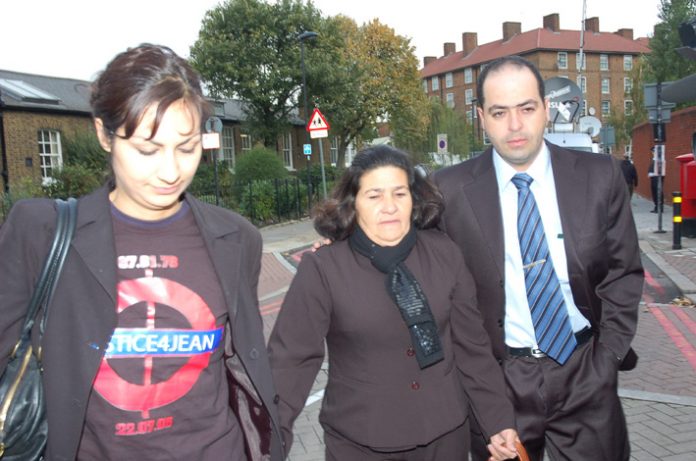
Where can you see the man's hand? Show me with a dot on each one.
(502, 445)
(320, 243)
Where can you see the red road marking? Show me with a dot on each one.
(690, 324)
(677, 338)
(653, 283)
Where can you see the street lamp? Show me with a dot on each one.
(306, 35)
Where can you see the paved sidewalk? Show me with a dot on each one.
(659, 396)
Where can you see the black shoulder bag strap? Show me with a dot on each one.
(45, 286)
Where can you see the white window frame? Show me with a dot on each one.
(333, 151)
(605, 107)
(562, 59)
(435, 83)
(246, 141)
(468, 75)
(468, 96)
(604, 62)
(583, 109)
(227, 154)
(50, 152)
(425, 85)
(449, 80)
(628, 150)
(606, 85)
(581, 80)
(628, 85)
(449, 100)
(628, 106)
(628, 63)
(287, 150)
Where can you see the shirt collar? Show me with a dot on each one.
(539, 170)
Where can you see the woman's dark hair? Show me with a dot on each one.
(335, 218)
(139, 77)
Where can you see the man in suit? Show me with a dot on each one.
(565, 402)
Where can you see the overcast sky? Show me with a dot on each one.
(77, 38)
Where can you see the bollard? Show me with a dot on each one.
(676, 220)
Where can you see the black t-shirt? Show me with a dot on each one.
(161, 391)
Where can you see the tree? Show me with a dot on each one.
(445, 120)
(663, 62)
(622, 122)
(248, 49)
(371, 76)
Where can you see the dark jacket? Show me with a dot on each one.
(629, 172)
(83, 316)
(601, 244)
(376, 394)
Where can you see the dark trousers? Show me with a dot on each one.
(453, 446)
(571, 411)
(653, 191)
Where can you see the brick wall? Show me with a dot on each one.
(21, 139)
(679, 133)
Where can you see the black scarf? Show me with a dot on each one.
(406, 292)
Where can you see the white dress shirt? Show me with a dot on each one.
(519, 329)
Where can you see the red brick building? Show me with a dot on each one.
(605, 78)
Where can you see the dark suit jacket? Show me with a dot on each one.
(376, 394)
(601, 244)
(82, 315)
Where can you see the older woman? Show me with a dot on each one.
(395, 304)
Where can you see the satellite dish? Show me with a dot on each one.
(590, 125)
(565, 99)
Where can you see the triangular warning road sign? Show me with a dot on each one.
(317, 122)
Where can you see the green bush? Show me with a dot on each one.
(203, 185)
(72, 181)
(82, 148)
(258, 164)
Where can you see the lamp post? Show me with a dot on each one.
(306, 35)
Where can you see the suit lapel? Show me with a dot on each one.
(480, 190)
(221, 238)
(571, 189)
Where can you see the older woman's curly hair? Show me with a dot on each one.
(334, 218)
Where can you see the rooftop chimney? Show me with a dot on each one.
(552, 22)
(469, 42)
(450, 48)
(428, 59)
(592, 24)
(510, 29)
(625, 33)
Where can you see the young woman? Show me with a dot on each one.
(154, 346)
(395, 304)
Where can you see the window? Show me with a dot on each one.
(468, 75)
(468, 96)
(582, 83)
(607, 150)
(562, 60)
(628, 62)
(449, 81)
(450, 99)
(435, 83)
(583, 109)
(334, 151)
(628, 85)
(606, 83)
(425, 86)
(246, 141)
(227, 151)
(603, 62)
(470, 114)
(286, 144)
(628, 107)
(605, 108)
(628, 150)
(584, 61)
(50, 153)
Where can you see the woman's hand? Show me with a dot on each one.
(502, 445)
(320, 243)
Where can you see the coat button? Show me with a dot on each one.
(415, 386)
(500, 323)
(501, 283)
(410, 352)
(254, 354)
(500, 361)
(276, 399)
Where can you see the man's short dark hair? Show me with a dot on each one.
(500, 63)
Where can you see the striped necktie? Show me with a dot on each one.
(552, 327)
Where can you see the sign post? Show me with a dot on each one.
(318, 127)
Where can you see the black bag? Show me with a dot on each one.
(23, 425)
